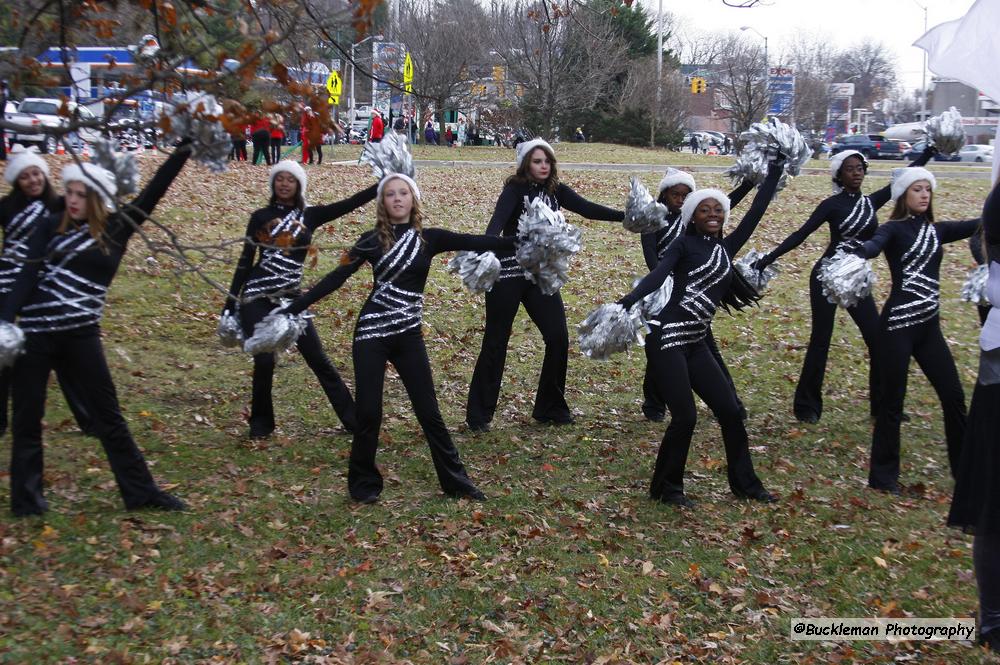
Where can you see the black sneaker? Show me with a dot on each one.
(893, 489)
(471, 492)
(161, 501)
(367, 499)
(479, 428)
(565, 420)
(654, 416)
(261, 432)
(679, 500)
(761, 495)
(810, 417)
(991, 640)
(30, 511)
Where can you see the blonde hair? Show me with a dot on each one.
(97, 217)
(383, 225)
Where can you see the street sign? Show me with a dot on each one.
(781, 90)
(841, 89)
(408, 73)
(334, 85)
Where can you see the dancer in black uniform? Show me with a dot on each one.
(909, 325)
(30, 201)
(852, 219)
(400, 252)
(975, 506)
(283, 232)
(536, 176)
(674, 188)
(58, 298)
(701, 264)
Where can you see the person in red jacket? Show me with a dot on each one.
(378, 128)
(277, 137)
(260, 134)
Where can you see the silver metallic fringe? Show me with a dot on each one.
(610, 329)
(945, 131)
(198, 119)
(276, 332)
(11, 343)
(846, 278)
(974, 287)
(759, 279)
(545, 243)
(479, 272)
(230, 331)
(763, 143)
(390, 155)
(122, 165)
(654, 303)
(642, 213)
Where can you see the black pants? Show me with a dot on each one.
(74, 395)
(986, 560)
(926, 344)
(408, 355)
(309, 345)
(239, 150)
(680, 372)
(809, 391)
(318, 149)
(549, 315)
(984, 312)
(77, 357)
(652, 402)
(275, 150)
(261, 146)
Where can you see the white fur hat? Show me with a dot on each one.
(838, 160)
(295, 170)
(405, 178)
(22, 158)
(524, 149)
(93, 177)
(904, 177)
(676, 177)
(695, 198)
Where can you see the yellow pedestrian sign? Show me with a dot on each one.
(334, 85)
(408, 74)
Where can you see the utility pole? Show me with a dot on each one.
(659, 74)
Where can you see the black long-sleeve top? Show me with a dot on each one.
(655, 244)
(395, 304)
(702, 269)
(991, 219)
(851, 216)
(283, 234)
(511, 205)
(18, 217)
(65, 278)
(912, 248)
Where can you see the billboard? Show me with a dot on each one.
(780, 90)
(387, 77)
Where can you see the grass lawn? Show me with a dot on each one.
(567, 561)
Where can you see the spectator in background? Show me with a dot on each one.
(429, 134)
(463, 133)
(449, 137)
(727, 145)
(579, 136)
(694, 144)
(261, 137)
(277, 137)
(377, 128)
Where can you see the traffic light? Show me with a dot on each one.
(698, 85)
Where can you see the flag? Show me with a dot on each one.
(968, 49)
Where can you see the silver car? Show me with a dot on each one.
(976, 153)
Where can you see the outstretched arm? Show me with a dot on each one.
(350, 262)
(872, 248)
(656, 277)
(740, 193)
(734, 241)
(441, 240)
(575, 203)
(317, 216)
(959, 230)
(815, 220)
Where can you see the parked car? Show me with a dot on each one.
(872, 146)
(918, 149)
(976, 153)
(41, 113)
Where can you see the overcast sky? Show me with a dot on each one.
(897, 23)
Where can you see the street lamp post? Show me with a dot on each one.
(352, 105)
(923, 76)
(659, 74)
(764, 37)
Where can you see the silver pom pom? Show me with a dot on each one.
(478, 271)
(11, 343)
(198, 119)
(611, 329)
(758, 279)
(545, 243)
(230, 331)
(846, 278)
(276, 332)
(121, 164)
(763, 143)
(653, 304)
(945, 132)
(974, 287)
(390, 155)
(642, 213)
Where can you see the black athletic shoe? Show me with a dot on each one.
(893, 489)
(479, 428)
(761, 495)
(261, 432)
(680, 500)
(161, 501)
(810, 417)
(991, 640)
(471, 492)
(30, 511)
(654, 416)
(368, 499)
(545, 420)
